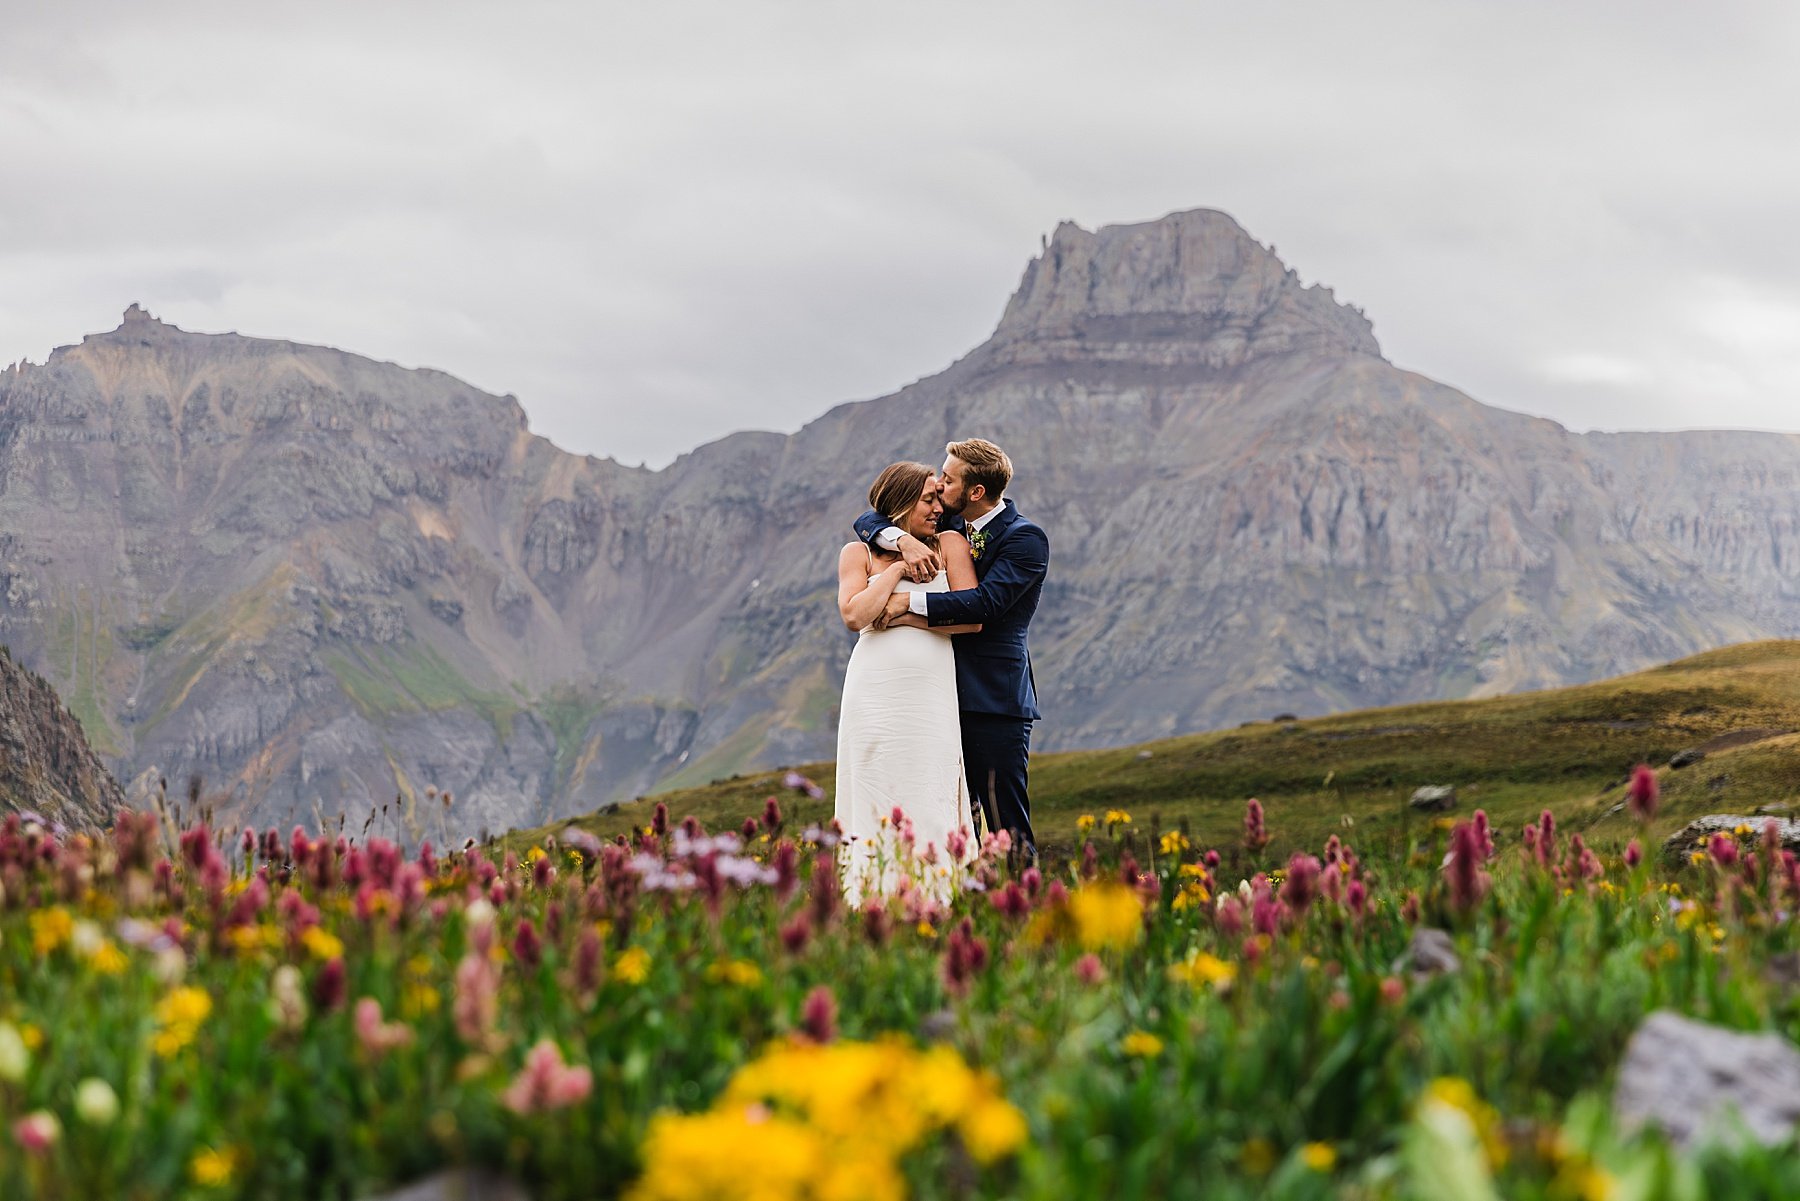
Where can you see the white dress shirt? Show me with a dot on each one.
(915, 601)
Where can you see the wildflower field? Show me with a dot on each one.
(682, 1014)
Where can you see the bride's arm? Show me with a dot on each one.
(960, 565)
(860, 599)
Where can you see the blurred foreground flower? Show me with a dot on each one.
(1106, 916)
(546, 1082)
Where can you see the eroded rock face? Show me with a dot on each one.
(329, 584)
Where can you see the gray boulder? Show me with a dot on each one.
(1692, 836)
(1434, 798)
(1696, 1082)
(458, 1186)
(1431, 953)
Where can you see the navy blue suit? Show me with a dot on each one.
(994, 686)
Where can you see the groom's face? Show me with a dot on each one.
(951, 480)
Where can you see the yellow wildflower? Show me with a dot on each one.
(108, 960)
(419, 999)
(212, 1169)
(1320, 1157)
(992, 1130)
(178, 1018)
(1202, 968)
(1141, 1044)
(321, 944)
(925, 930)
(50, 929)
(739, 973)
(31, 1035)
(1174, 842)
(715, 1154)
(1258, 1157)
(1117, 817)
(1458, 1094)
(534, 854)
(1085, 823)
(250, 939)
(1106, 915)
(632, 965)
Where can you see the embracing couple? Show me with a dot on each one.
(938, 702)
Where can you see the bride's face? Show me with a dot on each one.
(923, 520)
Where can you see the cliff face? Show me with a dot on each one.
(46, 765)
(331, 584)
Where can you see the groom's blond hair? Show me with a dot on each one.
(987, 463)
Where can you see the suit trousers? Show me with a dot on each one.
(996, 749)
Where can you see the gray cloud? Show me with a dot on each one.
(660, 223)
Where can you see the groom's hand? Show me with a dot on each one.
(922, 563)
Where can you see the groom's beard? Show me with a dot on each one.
(950, 512)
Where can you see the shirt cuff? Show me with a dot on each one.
(916, 602)
(889, 539)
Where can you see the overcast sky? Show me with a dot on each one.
(660, 222)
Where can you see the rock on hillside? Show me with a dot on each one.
(46, 765)
(327, 583)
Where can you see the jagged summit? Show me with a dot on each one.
(1189, 287)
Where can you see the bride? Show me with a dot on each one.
(899, 738)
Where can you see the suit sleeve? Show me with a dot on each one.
(869, 525)
(1020, 562)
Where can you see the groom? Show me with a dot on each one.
(994, 687)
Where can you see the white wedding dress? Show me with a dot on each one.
(900, 746)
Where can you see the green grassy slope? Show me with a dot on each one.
(1569, 750)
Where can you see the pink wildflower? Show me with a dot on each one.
(1089, 970)
(376, 1036)
(1634, 854)
(1256, 833)
(1301, 887)
(37, 1132)
(476, 1006)
(546, 1082)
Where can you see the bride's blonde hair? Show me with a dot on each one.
(898, 488)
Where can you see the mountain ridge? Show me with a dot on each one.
(325, 581)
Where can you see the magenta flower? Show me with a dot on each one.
(1643, 793)
(1468, 882)
(330, 985)
(818, 1015)
(876, 923)
(1634, 854)
(1089, 970)
(527, 948)
(546, 1082)
(1301, 887)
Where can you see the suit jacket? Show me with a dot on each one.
(993, 668)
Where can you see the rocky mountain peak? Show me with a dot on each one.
(1191, 286)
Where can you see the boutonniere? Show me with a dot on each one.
(977, 540)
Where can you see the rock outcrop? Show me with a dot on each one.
(329, 584)
(47, 768)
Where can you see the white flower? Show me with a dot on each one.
(95, 1102)
(15, 1060)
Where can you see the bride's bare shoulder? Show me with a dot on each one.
(952, 540)
(853, 550)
